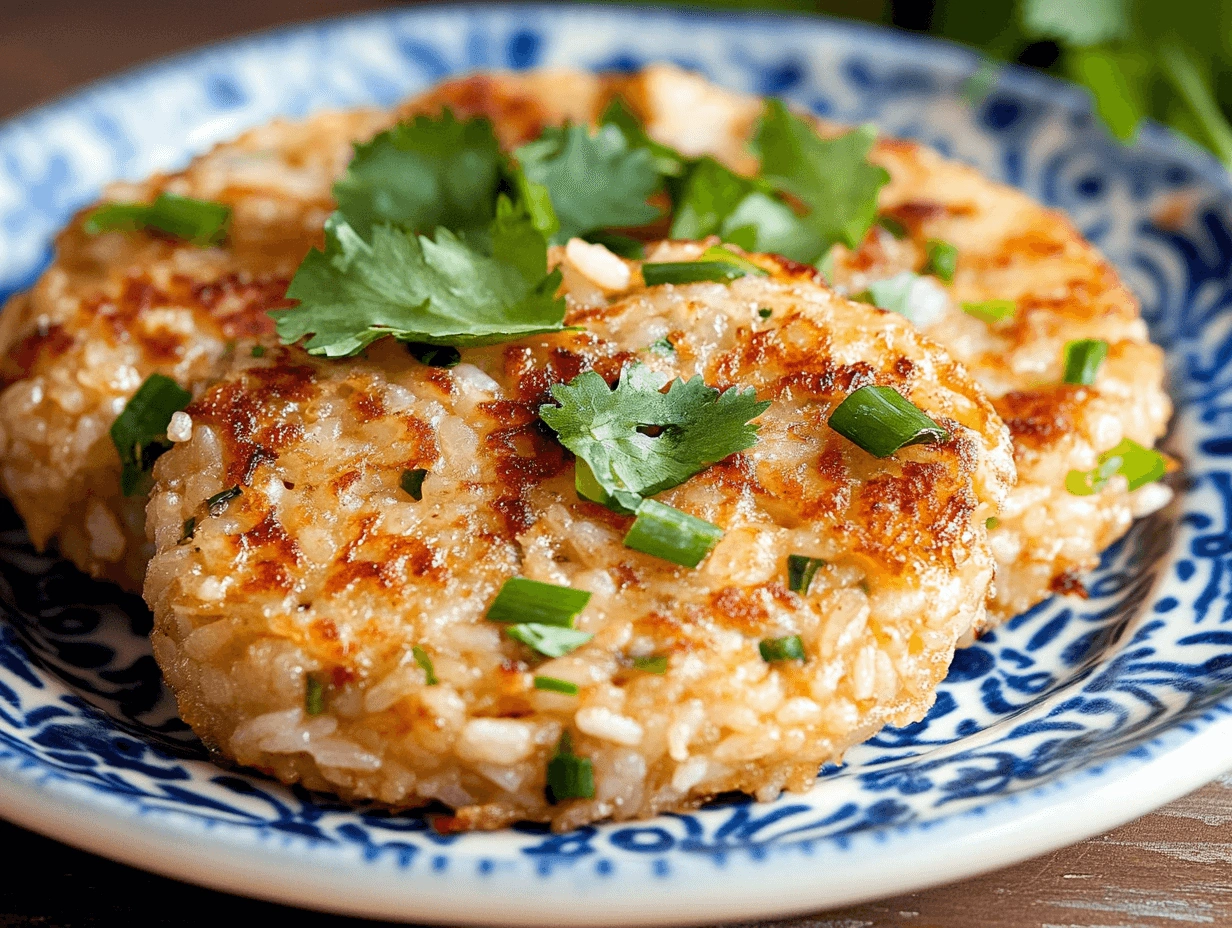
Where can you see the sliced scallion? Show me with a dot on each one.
(521, 600)
(665, 532)
(550, 640)
(258, 351)
(652, 663)
(569, 776)
(412, 482)
(1083, 359)
(942, 260)
(217, 504)
(555, 685)
(765, 313)
(314, 695)
(716, 264)
(1138, 464)
(991, 311)
(425, 664)
(881, 421)
(198, 221)
(800, 572)
(790, 648)
(893, 226)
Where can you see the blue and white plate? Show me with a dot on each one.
(1071, 719)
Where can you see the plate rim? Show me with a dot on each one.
(257, 868)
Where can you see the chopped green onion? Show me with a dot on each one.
(434, 355)
(217, 503)
(893, 226)
(662, 346)
(881, 421)
(528, 601)
(1082, 360)
(314, 695)
(198, 221)
(726, 255)
(942, 259)
(654, 663)
(139, 433)
(554, 685)
(618, 244)
(790, 648)
(1138, 464)
(190, 526)
(569, 776)
(991, 311)
(425, 664)
(765, 313)
(991, 522)
(412, 482)
(551, 640)
(258, 351)
(800, 572)
(691, 272)
(662, 531)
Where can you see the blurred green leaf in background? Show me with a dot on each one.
(1167, 60)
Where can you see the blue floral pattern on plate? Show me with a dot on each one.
(1064, 704)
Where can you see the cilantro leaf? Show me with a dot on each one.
(605, 429)
(595, 181)
(668, 161)
(714, 200)
(832, 177)
(440, 291)
(139, 432)
(422, 174)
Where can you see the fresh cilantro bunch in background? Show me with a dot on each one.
(1166, 60)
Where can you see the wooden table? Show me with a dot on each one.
(1172, 868)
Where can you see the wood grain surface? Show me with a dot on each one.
(1172, 868)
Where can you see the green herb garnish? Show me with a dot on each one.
(1138, 464)
(833, 177)
(314, 695)
(412, 482)
(800, 572)
(607, 430)
(668, 161)
(521, 600)
(201, 222)
(140, 430)
(217, 504)
(790, 648)
(618, 244)
(549, 640)
(893, 226)
(258, 351)
(991, 311)
(425, 664)
(594, 181)
(554, 685)
(765, 313)
(942, 260)
(1083, 359)
(881, 421)
(569, 776)
(652, 663)
(440, 291)
(665, 532)
(662, 346)
(423, 174)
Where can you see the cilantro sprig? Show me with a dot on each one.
(635, 441)
(439, 291)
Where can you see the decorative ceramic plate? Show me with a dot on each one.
(1067, 721)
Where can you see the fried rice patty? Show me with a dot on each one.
(114, 308)
(1010, 248)
(324, 565)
